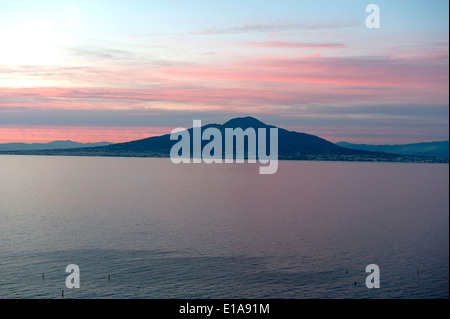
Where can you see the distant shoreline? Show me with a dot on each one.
(390, 158)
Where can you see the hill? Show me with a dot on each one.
(48, 146)
(434, 149)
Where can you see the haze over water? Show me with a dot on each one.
(222, 231)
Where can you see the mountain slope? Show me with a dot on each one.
(48, 146)
(435, 149)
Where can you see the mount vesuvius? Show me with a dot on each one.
(291, 146)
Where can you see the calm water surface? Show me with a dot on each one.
(162, 230)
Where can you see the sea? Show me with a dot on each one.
(146, 228)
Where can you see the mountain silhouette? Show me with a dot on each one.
(291, 146)
(435, 149)
(245, 122)
(48, 146)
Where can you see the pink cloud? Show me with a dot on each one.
(270, 82)
(252, 83)
(328, 71)
(291, 45)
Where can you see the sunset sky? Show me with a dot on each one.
(117, 71)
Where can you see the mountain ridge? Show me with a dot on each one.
(439, 149)
(58, 144)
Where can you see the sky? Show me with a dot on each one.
(110, 70)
